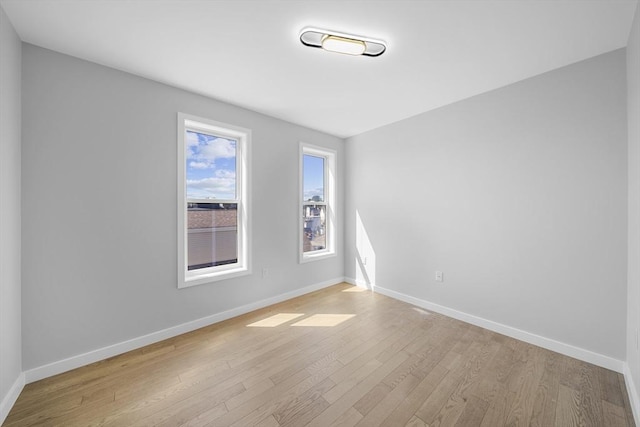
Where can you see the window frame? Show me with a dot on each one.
(330, 178)
(242, 137)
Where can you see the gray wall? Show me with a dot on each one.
(518, 195)
(10, 112)
(99, 190)
(633, 272)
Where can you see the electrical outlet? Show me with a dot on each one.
(265, 273)
(439, 276)
(364, 261)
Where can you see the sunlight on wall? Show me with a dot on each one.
(324, 320)
(365, 256)
(275, 320)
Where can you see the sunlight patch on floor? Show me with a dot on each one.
(275, 320)
(421, 311)
(356, 289)
(324, 320)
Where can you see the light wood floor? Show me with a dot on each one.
(338, 357)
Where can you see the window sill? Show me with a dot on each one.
(202, 279)
(304, 258)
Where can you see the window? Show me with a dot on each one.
(317, 202)
(213, 211)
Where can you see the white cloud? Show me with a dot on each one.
(225, 173)
(192, 139)
(218, 148)
(309, 193)
(222, 186)
(199, 147)
(200, 165)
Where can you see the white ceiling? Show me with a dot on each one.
(248, 52)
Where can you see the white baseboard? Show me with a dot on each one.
(548, 343)
(73, 362)
(10, 399)
(632, 392)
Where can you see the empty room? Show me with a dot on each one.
(319, 213)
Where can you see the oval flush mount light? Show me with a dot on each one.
(343, 45)
(341, 42)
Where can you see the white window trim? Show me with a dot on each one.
(330, 177)
(243, 168)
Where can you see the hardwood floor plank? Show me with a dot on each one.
(344, 384)
(268, 422)
(278, 397)
(436, 401)
(568, 412)
(461, 397)
(614, 415)
(499, 407)
(206, 417)
(405, 410)
(546, 396)
(590, 394)
(522, 406)
(181, 412)
(349, 419)
(372, 398)
(272, 397)
(416, 422)
(378, 346)
(627, 405)
(374, 348)
(352, 396)
(501, 365)
(376, 415)
(610, 387)
(473, 412)
(302, 408)
(249, 393)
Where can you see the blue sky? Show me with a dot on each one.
(211, 167)
(313, 176)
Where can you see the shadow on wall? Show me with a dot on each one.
(365, 256)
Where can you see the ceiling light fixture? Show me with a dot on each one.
(342, 45)
(334, 41)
